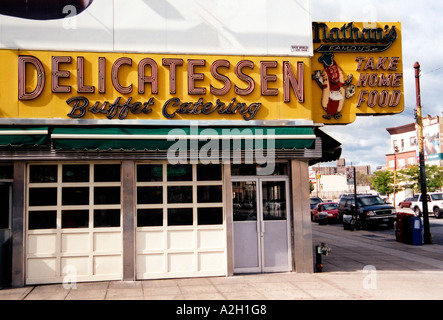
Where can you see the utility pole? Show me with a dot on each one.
(424, 196)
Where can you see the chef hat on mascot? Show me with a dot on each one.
(327, 59)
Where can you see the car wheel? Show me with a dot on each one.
(437, 213)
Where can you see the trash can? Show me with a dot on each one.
(402, 227)
(416, 231)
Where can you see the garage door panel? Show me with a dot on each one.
(150, 240)
(75, 232)
(181, 262)
(151, 264)
(182, 233)
(107, 242)
(211, 239)
(75, 243)
(42, 244)
(78, 266)
(211, 261)
(42, 268)
(107, 265)
(179, 240)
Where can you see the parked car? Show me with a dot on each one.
(435, 204)
(328, 209)
(371, 208)
(314, 201)
(406, 203)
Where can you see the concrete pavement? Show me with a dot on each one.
(363, 265)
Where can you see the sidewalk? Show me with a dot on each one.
(398, 272)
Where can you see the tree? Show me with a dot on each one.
(383, 182)
(411, 178)
(311, 186)
(364, 179)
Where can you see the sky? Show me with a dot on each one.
(366, 141)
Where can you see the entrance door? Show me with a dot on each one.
(5, 233)
(261, 225)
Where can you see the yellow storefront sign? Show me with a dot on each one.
(81, 85)
(356, 70)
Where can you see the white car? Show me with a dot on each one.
(435, 204)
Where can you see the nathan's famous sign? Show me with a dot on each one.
(355, 70)
(358, 70)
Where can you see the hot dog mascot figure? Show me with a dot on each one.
(335, 89)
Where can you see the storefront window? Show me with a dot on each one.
(79, 195)
(75, 196)
(42, 220)
(39, 197)
(75, 173)
(179, 172)
(280, 169)
(43, 174)
(107, 173)
(208, 194)
(210, 216)
(150, 195)
(106, 195)
(182, 197)
(6, 172)
(75, 219)
(209, 172)
(180, 194)
(149, 217)
(106, 218)
(149, 172)
(180, 217)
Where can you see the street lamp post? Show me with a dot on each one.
(427, 237)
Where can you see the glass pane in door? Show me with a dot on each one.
(274, 200)
(244, 198)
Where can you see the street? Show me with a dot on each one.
(435, 225)
(353, 250)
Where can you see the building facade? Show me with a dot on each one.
(128, 154)
(404, 144)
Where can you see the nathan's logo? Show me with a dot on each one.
(350, 38)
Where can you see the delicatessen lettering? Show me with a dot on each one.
(194, 77)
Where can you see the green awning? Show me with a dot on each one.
(162, 138)
(331, 148)
(13, 136)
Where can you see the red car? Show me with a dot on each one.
(406, 203)
(328, 210)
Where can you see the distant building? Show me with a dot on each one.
(403, 151)
(330, 182)
(340, 169)
(404, 144)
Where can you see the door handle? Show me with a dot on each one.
(262, 228)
